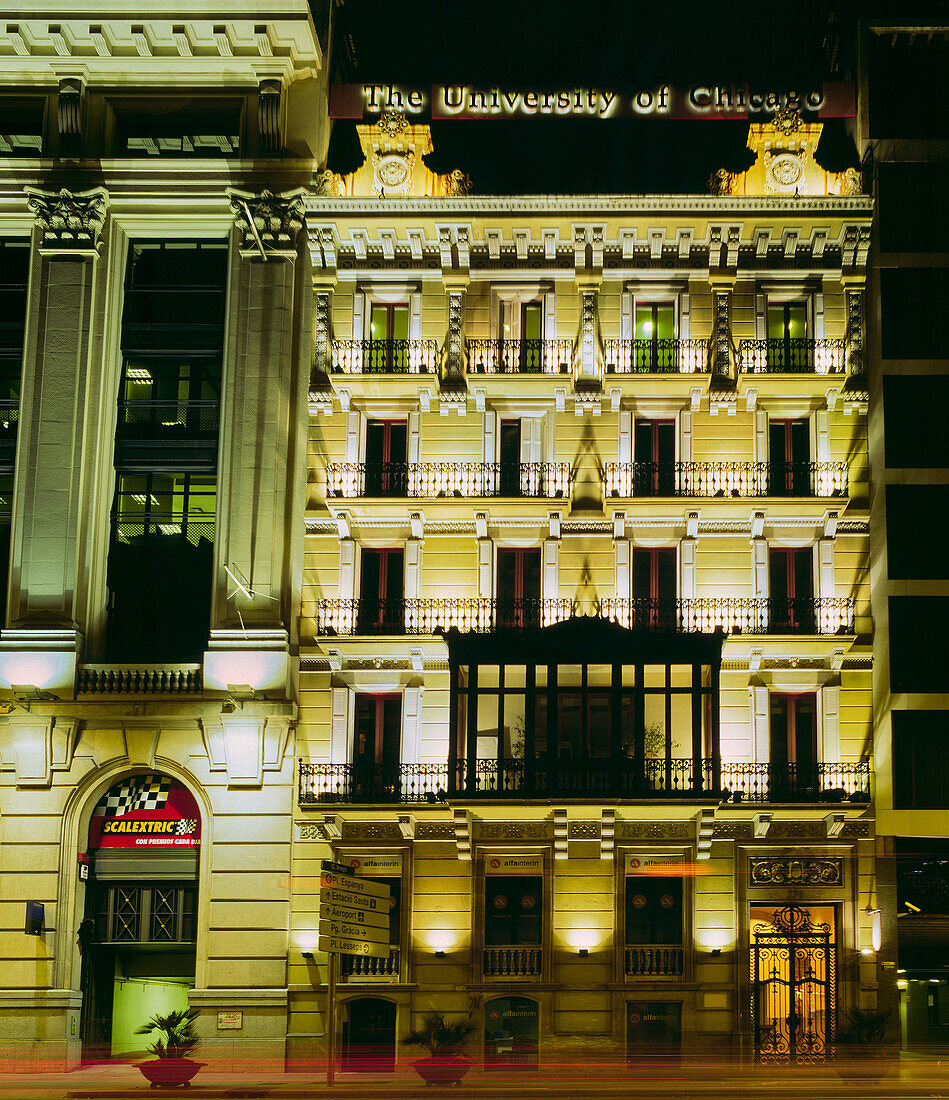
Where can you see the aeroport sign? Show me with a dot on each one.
(661, 101)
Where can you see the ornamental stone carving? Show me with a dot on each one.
(722, 182)
(70, 222)
(321, 333)
(850, 182)
(458, 183)
(392, 173)
(796, 872)
(505, 830)
(434, 830)
(784, 172)
(787, 121)
(270, 224)
(393, 123)
(309, 830)
(328, 183)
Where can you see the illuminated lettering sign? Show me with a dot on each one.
(700, 101)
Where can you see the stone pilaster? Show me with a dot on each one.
(322, 304)
(453, 373)
(264, 424)
(722, 352)
(589, 356)
(856, 367)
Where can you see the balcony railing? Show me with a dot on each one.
(596, 778)
(513, 962)
(520, 356)
(388, 783)
(654, 962)
(797, 782)
(448, 479)
(734, 615)
(725, 479)
(428, 616)
(361, 968)
(118, 679)
(795, 356)
(385, 356)
(660, 356)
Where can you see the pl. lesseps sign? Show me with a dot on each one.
(700, 101)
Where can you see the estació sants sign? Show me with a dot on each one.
(699, 101)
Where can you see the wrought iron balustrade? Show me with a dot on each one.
(364, 968)
(792, 356)
(513, 962)
(519, 356)
(734, 615)
(384, 356)
(163, 419)
(725, 479)
(818, 781)
(119, 679)
(661, 356)
(548, 480)
(429, 615)
(383, 783)
(653, 961)
(596, 778)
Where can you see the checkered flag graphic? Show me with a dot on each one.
(141, 792)
(186, 827)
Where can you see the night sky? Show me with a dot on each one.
(619, 45)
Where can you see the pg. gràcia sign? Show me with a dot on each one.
(699, 101)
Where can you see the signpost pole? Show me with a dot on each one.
(331, 1021)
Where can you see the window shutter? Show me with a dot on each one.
(822, 433)
(759, 550)
(347, 569)
(412, 449)
(826, 581)
(485, 586)
(550, 315)
(687, 548)
(340, 740)
(761, 436)
(625, 436)
(761, 316)
(621, 568)
(818, 316)
(413, 568)
(353, 426)
(685, 436)
(627, 315)
(759, 723)
(359, 316)
(490, 451)
(830, 723)
(411, 724)
(415, 316)
(551, 589)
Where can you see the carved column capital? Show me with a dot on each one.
(70, 221)
(270, 224)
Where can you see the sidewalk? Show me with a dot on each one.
(911, 1077)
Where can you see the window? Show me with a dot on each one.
(914, 434)
(192, 128)
(145, 914)
(917, 646)
(524, 322)
(655, 472)
(386, 466)
(920, 760)
(789, 456)
(792, 735)
(518, 589)
(21, 127)
(388, 336)
(791, 580)
(789, 348)
(915, 518)
(654, 347)
(911, 327)
(377, 740)
(160, 565)
(654, 588)
(913, 215)
(653, 910)
(381, 591)
(513, 910)
(510, 455)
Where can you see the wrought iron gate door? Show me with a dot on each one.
(793, 987)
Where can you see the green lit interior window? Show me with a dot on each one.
(532, 321)
(388, 321)
(655, 321)
(787, 321)
(173, 505)
(170, 380)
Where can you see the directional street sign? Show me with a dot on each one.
(339, 868)
(329, 879)
(352, 947)
(354, 901)
(369, 917)
(344, 930)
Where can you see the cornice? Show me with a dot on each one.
(620, 205)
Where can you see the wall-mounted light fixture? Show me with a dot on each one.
(308, 955)
(440, 953)
(715, 952)
(876, 927)
(583, 952)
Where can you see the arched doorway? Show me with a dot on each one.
(138, 931)
(510, 1033)
(368, 1039)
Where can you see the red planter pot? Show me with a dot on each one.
(446, 1069)
(168, 1073)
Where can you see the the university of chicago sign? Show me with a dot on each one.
(700, 101)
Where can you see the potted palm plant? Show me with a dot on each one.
(171, 1066)
(859, 1049)
(443, 1039)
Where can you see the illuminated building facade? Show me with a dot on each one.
(515, 548)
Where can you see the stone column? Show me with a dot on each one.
(56, 446)
(264, 424)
